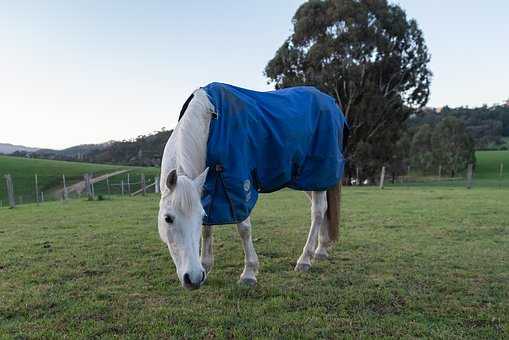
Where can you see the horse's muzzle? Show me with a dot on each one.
(191, 284)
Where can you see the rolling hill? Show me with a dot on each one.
(144, 150)
(6, 148)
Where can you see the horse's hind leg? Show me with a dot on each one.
(323, 236)
(248, 276)
(323, 241)
(318, 209)
(207, 256)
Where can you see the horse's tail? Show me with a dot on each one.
(333, 211)
(334, 193)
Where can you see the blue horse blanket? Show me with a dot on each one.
(263, 141)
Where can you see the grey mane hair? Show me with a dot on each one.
(183, 197)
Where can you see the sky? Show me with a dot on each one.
(90, 71)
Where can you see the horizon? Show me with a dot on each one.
(91, 72)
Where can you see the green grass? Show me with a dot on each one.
(487, 170)
(50, 172)
(412, 262)
(486, 174)
(488, 164)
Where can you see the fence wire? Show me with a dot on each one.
(490, 177)
(51, 188)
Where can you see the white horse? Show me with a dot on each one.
(183, 174)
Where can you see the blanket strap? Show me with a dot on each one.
(220, 169)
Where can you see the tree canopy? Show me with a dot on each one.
(370, 57)
(487, 125)
(452, 146)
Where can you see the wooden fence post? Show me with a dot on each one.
(128, 184)
(65, 188)
(382, 177)
(10, 190)
(439, 171)
(156, 188)
(122, 186)
(143, 187)
(85, 178)
(88, 187)
(36, 190)
(108, 185)
(42, 196)
(470, 175)
(500, 173)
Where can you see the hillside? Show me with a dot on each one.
(50, 173)
(76, 152)
(144, 150)
(6, 148)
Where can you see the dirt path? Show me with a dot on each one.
(80, 186)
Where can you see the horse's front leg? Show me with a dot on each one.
(207, 255)
(248, 276)
(318, 210)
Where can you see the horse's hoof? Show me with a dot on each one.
(250, 282)
(302, 267)
(321, 257)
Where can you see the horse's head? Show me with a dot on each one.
(179, 223)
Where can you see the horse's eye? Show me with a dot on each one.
(168, 219)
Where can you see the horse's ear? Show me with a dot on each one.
(171, 179)
(200, 180)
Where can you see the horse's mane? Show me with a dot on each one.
(186, 151)
(184, 197)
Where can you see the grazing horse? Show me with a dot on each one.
(231, 144)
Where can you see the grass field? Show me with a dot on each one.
(486, 174)
(50, 173)
(488, 164)
(412, 262)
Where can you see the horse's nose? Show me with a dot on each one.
(189, 283)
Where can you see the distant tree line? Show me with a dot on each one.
(487, 125)
(446, 139)
(446, 146)
(144, 150)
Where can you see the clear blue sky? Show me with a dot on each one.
(87, 71)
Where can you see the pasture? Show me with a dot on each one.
(488, 165)
(50, 174)
(486, 174)
(411, 262)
